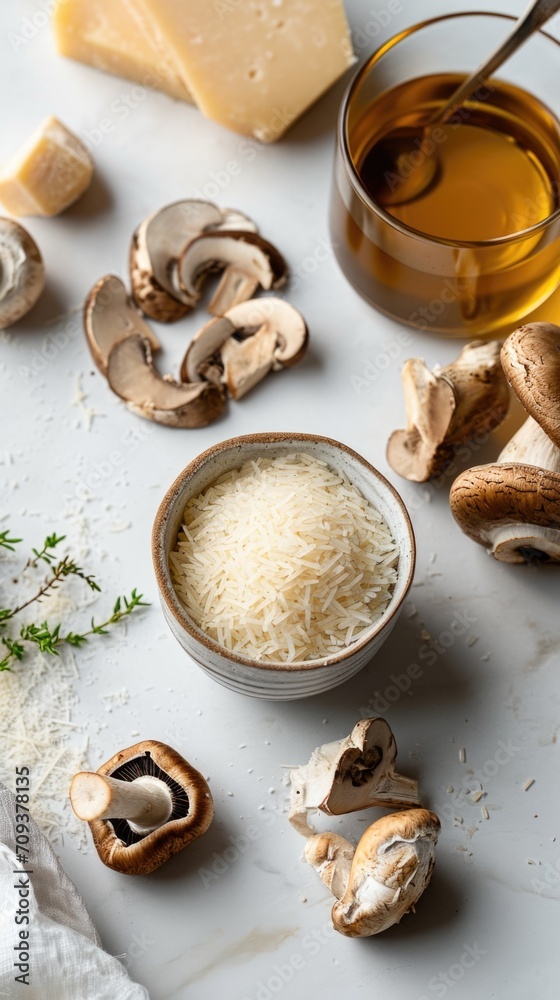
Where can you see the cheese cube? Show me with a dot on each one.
(253, 65)
(47, 174)
(104, 34)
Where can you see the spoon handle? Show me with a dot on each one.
(537, 14)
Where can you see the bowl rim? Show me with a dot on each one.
(344, 143)
(163, 575)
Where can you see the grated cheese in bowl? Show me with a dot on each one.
(284, 559)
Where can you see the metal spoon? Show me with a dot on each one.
(395, 154)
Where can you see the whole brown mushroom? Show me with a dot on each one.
(384, 878)
(513, 506)
(22, 273)
(143, 806)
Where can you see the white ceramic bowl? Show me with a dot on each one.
(277, 680)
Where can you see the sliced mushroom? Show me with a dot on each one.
(240, 348)
(246, 259)
(22, 273)
(143, 805)
(351, 774)
(109, 316)
(232, 219)
(132, 376)
(157, 245)
(390, 870)
(513, 506)
(446, 408)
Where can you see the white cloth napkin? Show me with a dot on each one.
(66, 961)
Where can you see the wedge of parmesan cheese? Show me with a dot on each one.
(108, 36)
(253, 65)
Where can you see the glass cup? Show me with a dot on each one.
(461, 289)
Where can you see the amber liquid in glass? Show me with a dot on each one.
(497, 173)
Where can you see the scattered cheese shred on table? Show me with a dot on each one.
(284, 559)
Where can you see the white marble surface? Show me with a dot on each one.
(266, 910)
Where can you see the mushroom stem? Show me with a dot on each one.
(398, 788)
(235, 286)
(520, 542)
(331, 857)
(531, 446)
(146, 802)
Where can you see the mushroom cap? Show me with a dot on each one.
(109, 316)
(157, 245)
(531, 362)
(244, 253)
(22, 273)
(359, 777)
(145, 854)
(488, 498)
(392, 866)
(132, 376)
(241, 347)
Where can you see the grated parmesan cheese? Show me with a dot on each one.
(37, 731)
(37, 698)
(284, 559)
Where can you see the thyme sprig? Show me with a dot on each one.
(46, 637)
(8, 543)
